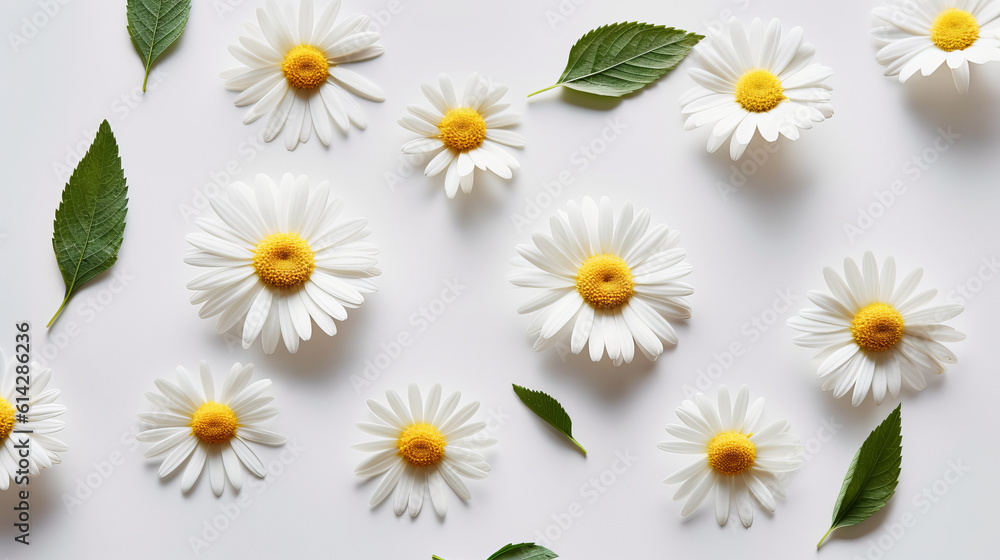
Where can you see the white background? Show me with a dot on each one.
(776, 232)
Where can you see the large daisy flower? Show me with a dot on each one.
(755, 79)
(422, 447)
(736, 454)
(874, 333)
(924, 34)
(32, 429)
(463, 133)
(610, 283)
(197, 423)
(292, 70)
(278, 259)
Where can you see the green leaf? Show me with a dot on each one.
(620, 58)
(153, 25)
(523, 551)
(90, 221)
(872, 477)
(548, 409)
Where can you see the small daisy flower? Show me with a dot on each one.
(873, 333)
(735, 454)
(753, 80)
(279, 259)
(924, 34)
(34, 428)
(603, 282)
(423, 446)
(463, 134)
(293, 70)
(197, 424)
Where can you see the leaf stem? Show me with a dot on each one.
(145, 77)
(580, 446)
(436, 557)
(53, 319)
(546, 89)
(825, 536)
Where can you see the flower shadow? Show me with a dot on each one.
(935, 101)
(321, 356)
(607, 380)
(768, 171)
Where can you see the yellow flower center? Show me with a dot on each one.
(954, 30)
(877, 327)
(731, 453)
(462, 129)
(283, 260)
(305, 67)
(605, 281)
(7, 418)
(759, 91)
(214, 423)
(422, 445)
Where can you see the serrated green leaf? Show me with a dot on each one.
(523, 551)
(548, 409)
(872, 477)
(90, 222)
(620, 58)
(154, 25)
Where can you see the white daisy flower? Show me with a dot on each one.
(604, 282)
(924, 34)
(423, 446)
(278, 258)
(210, 427)
(874, 333)
(463, 134)
(293, 70)
(34, 428)
(755, 80)
(736, 456)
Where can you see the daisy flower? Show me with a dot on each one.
(35, 428)
(463, 134)
(604, 282)
(753, 80)
(293, 70)
(924, 34)
(874, 333)
(736, 455)
(278, 259)
(196, 423)
(423, 446)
